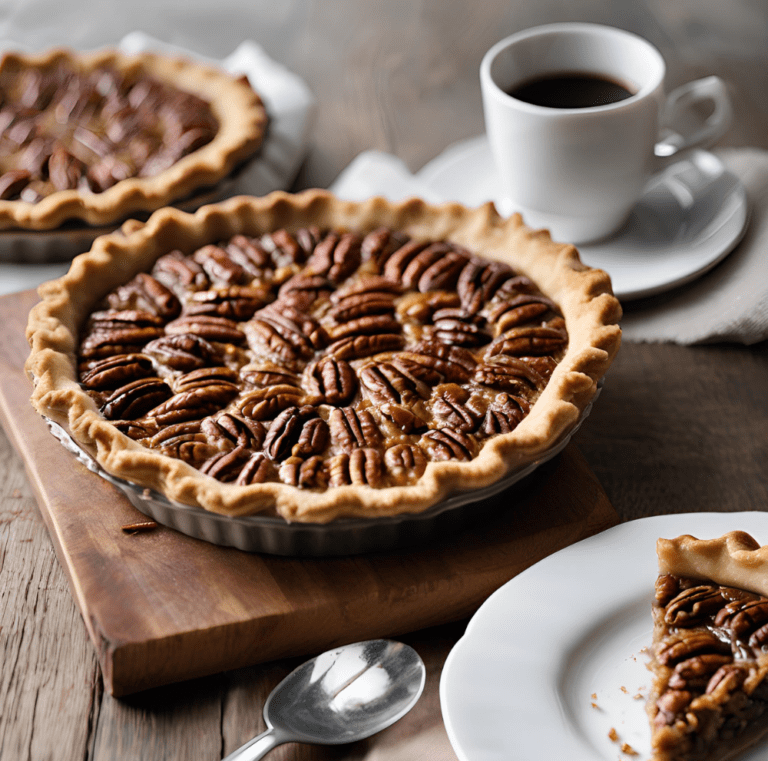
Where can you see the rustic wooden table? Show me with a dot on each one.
(677, 429)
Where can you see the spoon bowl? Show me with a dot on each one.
(341, 696)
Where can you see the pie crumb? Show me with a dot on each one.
(628, 749)
(613, 735)
(593, 696)
(623, 689)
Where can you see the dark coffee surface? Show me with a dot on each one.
(572, 90)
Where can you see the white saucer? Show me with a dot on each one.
(689, 218)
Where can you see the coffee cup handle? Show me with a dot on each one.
(684, 128)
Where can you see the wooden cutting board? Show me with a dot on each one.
(161, 607)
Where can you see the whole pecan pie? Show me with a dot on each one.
(319, 358)
(710, 657)
(95, 137)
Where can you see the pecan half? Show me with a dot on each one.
(219, 266)
(223, 377)
(518, 311)
(504, 414)
(206, 326)
(689, 643)
(535, 340)
(285, 431)
(694, 673)
(353, 429)
(364, 304)
(366, 467)
(306, 474)
(301, 291)
(508, 374)
(195, 404)
(454, 363)
(116, 371)
(258, 469)
(403, 418)
(332, 380)
(371, 324)
(267, 403)
(443, 274)
(670, 704)
(420, 263)
(249, 254)
(313, 438)
(184, 352)
(479, 282)
(391, 382)
(146, 294)
(358, 347)
(135, 399)
(226, 466)
(453, 406)
(285, 332)
(118, 332)
(336, 256)
(395, 265)
(264, 374)
(180, 272)
(380, 244)
(235, 302)
(227, 430)
(446, 444)
(691, 606)
(405, 462)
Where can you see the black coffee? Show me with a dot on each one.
(570, 90)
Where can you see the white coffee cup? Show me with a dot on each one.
(580, 171)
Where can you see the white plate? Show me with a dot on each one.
(689, 218)
(519, 685)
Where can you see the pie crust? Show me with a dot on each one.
(583, 295)
(710, 655)
(174, 172)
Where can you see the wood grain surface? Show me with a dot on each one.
(676, 428)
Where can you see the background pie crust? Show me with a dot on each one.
(241, 117)
(583, 295)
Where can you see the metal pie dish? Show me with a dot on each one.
(273, 535)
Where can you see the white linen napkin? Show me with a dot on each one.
(291, 107)
(730, 303)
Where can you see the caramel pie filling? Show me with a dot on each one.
(66, 129)
(320, 358)
(711, 662)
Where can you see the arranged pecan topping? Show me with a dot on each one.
(73, 129)
(322, 358)
(712, 639)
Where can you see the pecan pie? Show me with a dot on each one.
(96, 137)
(320, 358)
(710, 655)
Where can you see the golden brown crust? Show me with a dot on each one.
(238, 109)
(584, 296)
(732, 560)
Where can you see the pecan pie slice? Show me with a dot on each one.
(316, 358)
(96, 137)
(709, 698)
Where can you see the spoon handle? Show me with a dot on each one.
(257, 748)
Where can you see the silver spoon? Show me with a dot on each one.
(341, 696)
